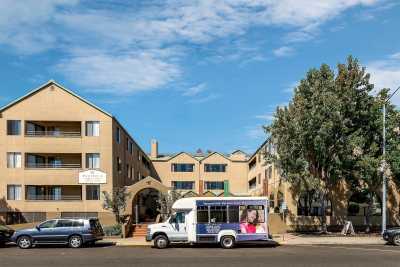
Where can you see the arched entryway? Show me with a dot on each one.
(146, 205)
(142, 205)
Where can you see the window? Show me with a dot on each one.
(119, 164)
(92, 128)
(25, 217)
(215, 167)
(129, 171)
(182, 167)
(14, 160)
(64, 223)
(310, 204)
(48, 224)
(233, 214)
(218, 214)
(259, 178)
(183, 185)
(92, 192)
(202, 214)
(214, 185)
(178, 218)
(130, 146)
(93, 161)
(118, 135)
(253, 183)
(14, 192)
(13, 127)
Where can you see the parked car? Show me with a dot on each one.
(392, 236)
(5, 234)
(74, 232)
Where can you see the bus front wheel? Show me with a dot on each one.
(161, 242)
(227, 242)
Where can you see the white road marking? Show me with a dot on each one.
(351, 248)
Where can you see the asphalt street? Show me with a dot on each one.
(107, 255)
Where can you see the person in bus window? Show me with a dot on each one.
(250, 222)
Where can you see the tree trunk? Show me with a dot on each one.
(324, 227)
(369, 213)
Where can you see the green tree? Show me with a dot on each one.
(116, 203)
(315, 133)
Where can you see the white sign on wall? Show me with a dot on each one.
(92, 177)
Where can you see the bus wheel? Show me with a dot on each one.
(227, 242)
(161, 242)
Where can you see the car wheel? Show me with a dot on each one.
(161, 242)
(227, 242)
(24, 242)
(75, 241)
(396, 240)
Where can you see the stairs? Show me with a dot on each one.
(139, 230)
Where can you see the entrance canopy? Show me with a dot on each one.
(146, 183)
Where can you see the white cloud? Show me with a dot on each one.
(24, 25)
(255, 132)
(195, 90)
(119, 74)
(284, 51)
(386, 74)
(204, 99)
(268, 116)
(138, 38)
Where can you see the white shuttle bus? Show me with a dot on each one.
(223, 220)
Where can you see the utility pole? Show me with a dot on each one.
(384, 178)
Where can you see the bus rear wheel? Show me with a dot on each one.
(227, 242)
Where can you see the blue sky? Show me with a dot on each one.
(192, 74)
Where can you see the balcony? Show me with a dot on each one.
(53, 161)
(66, 129)
(53, 192)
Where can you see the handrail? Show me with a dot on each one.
(54, 197)
(53, 133)
(53, 165)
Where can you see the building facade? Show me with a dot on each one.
(58, 153)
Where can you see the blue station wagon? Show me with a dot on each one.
(74, 232)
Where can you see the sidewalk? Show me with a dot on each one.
(284, 239)
(296, 239)
(128, 242)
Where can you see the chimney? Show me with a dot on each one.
(154, 148)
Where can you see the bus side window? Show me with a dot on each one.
(233, 214)
(218, 214)
(202, 214)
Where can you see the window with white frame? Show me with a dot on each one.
(93, 161)
(14, 192)
(118, 135)
(92, 128)
(14, 160)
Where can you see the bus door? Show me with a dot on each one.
(179, 227)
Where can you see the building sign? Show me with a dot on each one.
(92, 177)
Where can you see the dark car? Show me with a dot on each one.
(392, 236)
(74, 232)
(5, 234)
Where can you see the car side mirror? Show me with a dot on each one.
(38, 227)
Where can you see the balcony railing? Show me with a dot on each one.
(53, 134)
(53, 165)
(54, 197)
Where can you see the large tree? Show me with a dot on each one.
(315, 133)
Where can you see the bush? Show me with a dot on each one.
(115, 230)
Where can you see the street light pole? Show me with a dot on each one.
(384, 178)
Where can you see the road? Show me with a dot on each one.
(106, 255)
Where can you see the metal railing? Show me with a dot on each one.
(53, 134)
(54, 197)
(53, 165)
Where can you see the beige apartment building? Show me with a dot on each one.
(205, 174)
(58, 153)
